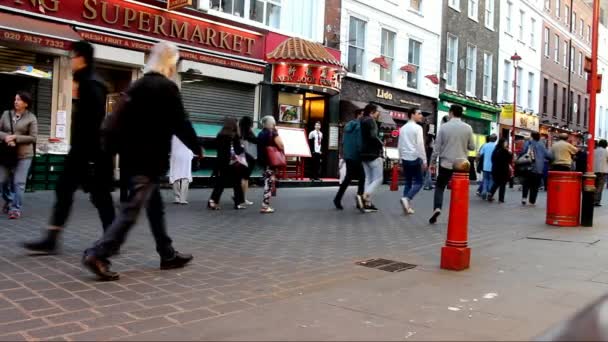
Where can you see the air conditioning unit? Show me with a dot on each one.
(204, 5)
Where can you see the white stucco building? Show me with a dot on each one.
(601, 114)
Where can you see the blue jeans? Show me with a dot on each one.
(487, 183)
(15, 190)
(428, 179)
(373, 175)
(412, 171)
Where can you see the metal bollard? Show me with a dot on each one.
(395, 177)
(456, 255)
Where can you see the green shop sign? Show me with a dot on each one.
(472, 109)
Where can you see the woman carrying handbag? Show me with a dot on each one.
(270, 157)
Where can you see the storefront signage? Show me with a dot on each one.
(307, 75)
(470, 112)
(14, 36)
(398, 115)
(153, 22)
(383, 94)
(522, 120)
(177, 4)
(194, 56)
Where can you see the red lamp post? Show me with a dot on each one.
(515, 58)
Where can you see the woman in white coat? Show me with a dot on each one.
(180, 172)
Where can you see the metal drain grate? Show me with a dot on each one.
(386, 265)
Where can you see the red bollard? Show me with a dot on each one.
(456, 255)
(395, 177)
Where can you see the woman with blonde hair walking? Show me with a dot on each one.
(268, 137)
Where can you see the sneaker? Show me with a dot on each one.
(14, 215)
(239, 207)
(179, 260)
(248, 202)
(266, 210)
(46, 245)
(371, 209)
(405, 203)
(360, 204)
(100, 268)
(478, 193)
(436, 214)
(338, 204)
(411, 211)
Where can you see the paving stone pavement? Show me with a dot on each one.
(243, 260)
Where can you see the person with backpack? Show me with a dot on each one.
(351, 147)
(532, 174)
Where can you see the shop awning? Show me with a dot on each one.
(38, 32)
(302, 51)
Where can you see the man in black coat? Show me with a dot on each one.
(86, 164)
(140, 131)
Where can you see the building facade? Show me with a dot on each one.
(390, 49)
(564, 102)
(601, 114)
(470, 58)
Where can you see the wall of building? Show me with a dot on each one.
(601, 114)
(528, 45)
(406, 23)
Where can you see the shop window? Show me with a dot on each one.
(290, 107)
(356, 45)
(267, 12)
(413, 58)
(234, 7)
(387, 49)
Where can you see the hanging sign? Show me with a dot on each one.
(303, 75)
(177, 4)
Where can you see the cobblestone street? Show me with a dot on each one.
(243, 260)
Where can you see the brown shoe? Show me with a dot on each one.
(100, 268)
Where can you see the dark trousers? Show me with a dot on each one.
(412, 172)
(123, 184)
(232, 175)
(316, 165)
(354, 170)
(501, 186)
(94, 180)
(600, 184)
(144, 192)
(443, 178)
(531, 184)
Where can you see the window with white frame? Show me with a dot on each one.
(416, 5)
(488, 61)
(471, 69)
(451, 65)
(532, 32)
(589, 33)
(556, 48)
(582, 28)
(267, 12)
(473, 9)
(567, 15)
(509, 17)
(489, 14)
(547, 4)
(413, 59)
(572, 56)
(234, 7)
(518, 85)
(573, 22)
(566, 49)
(530, 90)
(521, 25)
(506, 82)
(547, 42)
(356, 45)
(558, 8)
(387, 49)
(580, 63)
(455, 4)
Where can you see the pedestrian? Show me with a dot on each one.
(600, 167)
(480, 167)
(231, 165)
(371, 156)
(86, 164)
(180, 170)
(412, 153)
(250, 144)
(501, 173)
(580, 159)
(454, 140)
(316, 140)
(562, 152)
(268, 137)
(351, 154)
(428, 177)
(152, 112)
(486, 154)
(532, 176)
(18, 131)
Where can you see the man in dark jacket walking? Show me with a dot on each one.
(86, 164)
(371, 154)
(150, 114)
(351, 148)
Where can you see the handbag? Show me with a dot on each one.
(237, 159)
(8, 154)
(276, 157)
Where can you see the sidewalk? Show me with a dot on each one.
(292, 275)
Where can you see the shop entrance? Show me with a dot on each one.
(117, 80)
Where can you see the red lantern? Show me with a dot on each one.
(395, 133)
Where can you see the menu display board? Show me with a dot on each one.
(296, 142)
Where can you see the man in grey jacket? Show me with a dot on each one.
(454, 140)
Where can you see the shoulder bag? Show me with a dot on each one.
(8, 154)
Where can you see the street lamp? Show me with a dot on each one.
(515, 58)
